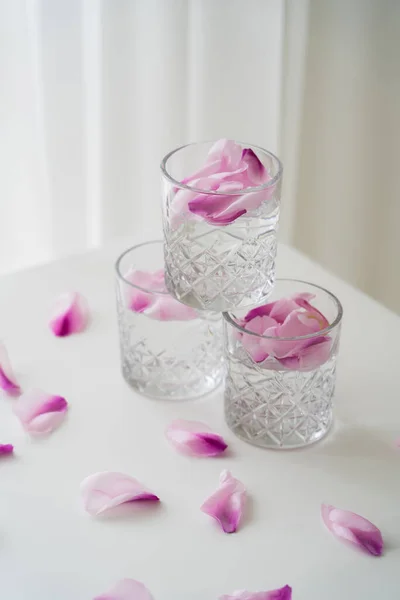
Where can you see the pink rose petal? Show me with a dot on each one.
(70, 314)
(228, 152)
(8, 382)
(159, 305)
(353, 528)
(166, 308)
(256, 171)
(126, 589)
(195, 439)
(227, 503)
(254, 344)
(105, 490)
(40, 412)
(309, 357)
(6, 449)
(302, 300)
(284, 593)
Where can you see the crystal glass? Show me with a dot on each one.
(219, 266)
(166, 352)
(282, 403)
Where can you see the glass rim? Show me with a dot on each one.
(117, 266)
(248, 190)
(227, 315)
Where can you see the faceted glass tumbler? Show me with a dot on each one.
(219, 267)
(162, 355)
(284, 403)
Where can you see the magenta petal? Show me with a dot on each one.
(70, 314)
(6, 449)
(227, 503)
(256, 171)
(195, 439)
(8, 382)
(126, 589)
(105, 490)
(40, 412)
(284, 593)
(353, 528)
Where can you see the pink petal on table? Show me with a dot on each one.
(256, 171)
(227, 503)
(195, 439)
(40, 412)
(284, 593)
(8, 382)
(353, 528)
(126, 589)
(6, 449)
(105, 490)
(315, 354)
(166, 308)
(70, 314)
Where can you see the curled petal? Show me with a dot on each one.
(155, 303)
(226, 151)
(6, 449)
(303, 300)
(127, 589)
(256, 171)
(195, 439)
(353, 528)
(40, 412)
(105, 490)
(227, 503)
(8, 382)
(284, 593)
(70, 314)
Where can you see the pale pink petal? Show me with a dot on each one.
(126, 589)
(8, 382)
(302, 300)
(294, 326)
(353, 528)
(252, 343)
(6, 449)
(70, 314)
(105, 490)
(40, 412)
(205, 171)
(256, 171)
(309, 357)
(227, 151)
(195, 439)
(166, 308)
(284, 593)
(227, 503)
(180, 203)
(138, 300)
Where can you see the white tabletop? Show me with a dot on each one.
(50, 549)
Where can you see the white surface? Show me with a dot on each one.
(50, 549)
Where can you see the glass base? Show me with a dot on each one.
(279, 409)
